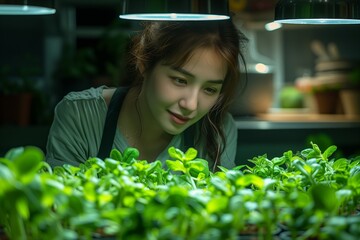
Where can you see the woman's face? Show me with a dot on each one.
(176, 98)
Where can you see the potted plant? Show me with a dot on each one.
(350, 94)
(16, 95)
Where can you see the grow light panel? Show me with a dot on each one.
(27, 7)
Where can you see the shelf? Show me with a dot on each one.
(298, 121)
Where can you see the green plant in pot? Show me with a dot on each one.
(18, 93)
(350, 94)
(291, 97)
(327, 98)
(354, 78)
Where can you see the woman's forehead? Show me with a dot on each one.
(182, 58)
(202, 62)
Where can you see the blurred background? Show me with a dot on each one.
(303, 80)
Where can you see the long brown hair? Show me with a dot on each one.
(174, 43)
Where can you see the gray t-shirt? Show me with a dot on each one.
(75, 134)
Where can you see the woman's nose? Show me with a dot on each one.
(189, 100)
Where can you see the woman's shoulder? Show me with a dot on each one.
(229, 121)
(87, 101)
(80, 107)
(87, 94)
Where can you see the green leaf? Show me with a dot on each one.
(14, 153)
(354, 180)
(355, 162)
(104, 198)
(201, 176)
(94, 161)
(198, 166)
(111, 164)
(343, 194)
(116, 155)
(176, 154)
(72, 170)
(190, 154)
(329, 151)
(302, 167)
(278, 161)
(6, 171)
(130, 154)
(269, 182)
(249, 179)
(340, 165)
(324, 197)
(140, 166)
(29, 161)
(59, 171)
(354, 170)
(22, 207)
(54, 184)
(306, 152)
(220, 184)
(288, 154)
(176, 165)
(87, 219)
(316, 148)
(156, 165)
(89, 192)
(217, 204)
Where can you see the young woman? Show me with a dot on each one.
(184, 76)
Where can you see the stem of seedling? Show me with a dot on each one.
(190, 179)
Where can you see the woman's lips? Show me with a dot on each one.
(178, 119)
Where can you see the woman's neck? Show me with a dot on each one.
(140, 129)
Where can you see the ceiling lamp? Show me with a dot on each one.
(318, 11)
(175, 10)
(27, 7)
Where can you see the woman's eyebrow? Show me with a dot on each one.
(183, 71)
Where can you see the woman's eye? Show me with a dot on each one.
(179, 81)
(211, 91)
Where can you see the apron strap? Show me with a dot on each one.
(111, 120)
(189, 137)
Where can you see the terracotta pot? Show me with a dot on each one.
(327, 101)
(350, 99)
(15, 109)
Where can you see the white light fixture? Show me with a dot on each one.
(262, 68)
(27, 7)
(318, 11)
(272, 26)
(175, 10)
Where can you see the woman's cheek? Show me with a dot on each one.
(208, 102)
